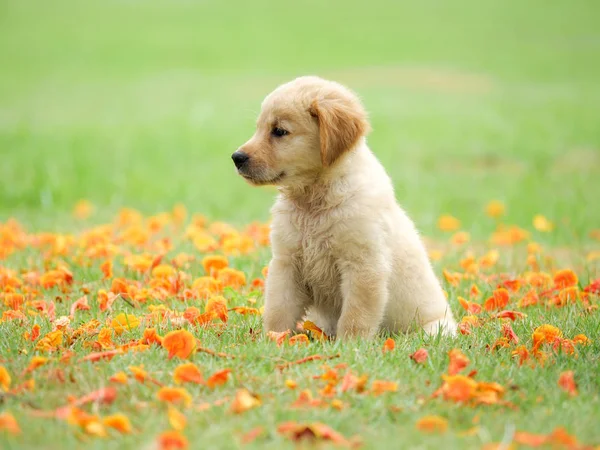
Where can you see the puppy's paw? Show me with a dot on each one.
(355, 331)
(278, 321)
(445, 325)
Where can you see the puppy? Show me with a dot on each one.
(344, 252)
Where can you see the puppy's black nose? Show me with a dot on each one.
(239, 158)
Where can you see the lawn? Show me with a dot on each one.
(139, 105)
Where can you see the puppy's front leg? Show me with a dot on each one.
(285, 300)
(364, 288)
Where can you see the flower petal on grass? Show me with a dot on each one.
(566, 382)
(187, 373)
(432, 424)
(420, 356)
(180, 343)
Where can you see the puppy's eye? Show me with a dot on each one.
(278, 132)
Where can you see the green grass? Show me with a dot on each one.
(140, 104)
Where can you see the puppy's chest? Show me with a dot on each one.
(315, 255)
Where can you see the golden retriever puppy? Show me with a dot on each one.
(344, 253)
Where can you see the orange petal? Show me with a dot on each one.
(432, 424)
(243, 401)
(458, 361)
(176, 419)
(218, 378)
(180, 343)
(314, 330)
(119, 422)
(174, 395)
(9, 423)
(420, 356)
(172, 440)
(389, 345)
(187, 373)
(566, 381)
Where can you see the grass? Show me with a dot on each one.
(140, 104)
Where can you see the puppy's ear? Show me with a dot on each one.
(342, 122)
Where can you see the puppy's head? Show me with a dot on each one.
(303, 128)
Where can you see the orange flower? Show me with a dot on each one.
(105, 299)
(83, 209)
(495, 209)
(79, 304)
(420, 356)
(232, 278)
(314, 330)
(104, 339)
(174, 395)
(499, 300)
(545, 334)
(124, 322)
(9, 423)
(460, 238)
(299, 339)
(468, 306)
(107, 269)
(151, 337)
(163, 271)
(489, 259)
(380, 386)
(278, 337)
(458, 388)
(36, 361)
(176, 419)
(218, 378)
(581, 339)
(468, 322)
(180, 343)
(566, 382)
(432, 424)
(217, 307)
(529, 299)
(389, 345)
(204, 287)
(512, 285)
(119, 377)
(542, 224)
(50, 342)
(474, 291)
(509, 333)
(14, 300)
(35, 333)
(139, 373)
(119, 422)
(458, 361)
(243, 401)
(214, 263)
(244, 310)
(172, 440)
(5, 378)
(252, 435)
(448, 223)
(529, 439)
(187, 373)
(56, 278)
(565, 278)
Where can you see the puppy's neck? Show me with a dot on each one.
(329, 187)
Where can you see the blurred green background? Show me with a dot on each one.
(141, 103)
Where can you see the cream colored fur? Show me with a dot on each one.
(344, 252)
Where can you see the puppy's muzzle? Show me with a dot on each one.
(239, 159)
